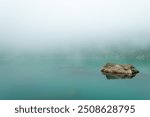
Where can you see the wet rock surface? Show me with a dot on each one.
(110, 76)
(116, 71)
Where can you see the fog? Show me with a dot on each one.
(68, 25)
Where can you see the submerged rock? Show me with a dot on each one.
(119, 69)
(118, 76)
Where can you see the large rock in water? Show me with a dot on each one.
(124, 69)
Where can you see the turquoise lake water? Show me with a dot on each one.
(70, 78)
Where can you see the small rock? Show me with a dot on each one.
(126, 69)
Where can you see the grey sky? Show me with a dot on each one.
(38, 24)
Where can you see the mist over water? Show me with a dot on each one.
(43, 26)
(62, 44)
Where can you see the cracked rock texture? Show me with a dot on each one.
(126, 69)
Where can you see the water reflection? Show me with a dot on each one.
(118, 76)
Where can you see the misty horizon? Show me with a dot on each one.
(62, 25)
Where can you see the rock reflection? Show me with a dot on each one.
(118, 76)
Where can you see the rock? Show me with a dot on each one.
(118, 76)
(124, 69)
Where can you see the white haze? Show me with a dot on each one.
(50, 25)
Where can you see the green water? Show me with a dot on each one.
(70, 78)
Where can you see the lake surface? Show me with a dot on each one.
(46, 77)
